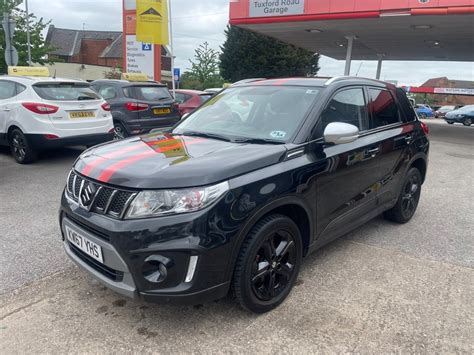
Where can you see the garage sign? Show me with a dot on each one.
(264, 8)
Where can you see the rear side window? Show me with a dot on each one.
(7, 89)
(348, 106)
(405, 105)
(65, 92)
(152, 93)
(383, 107)
(204, 97)
(108, 92)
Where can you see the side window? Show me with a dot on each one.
(348, 106)
(383, 107)
(20, 88)
(180, 98)
(406, 106)
(108, 92)
(7, 89)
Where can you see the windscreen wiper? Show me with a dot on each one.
(206, 135)
(257, 141)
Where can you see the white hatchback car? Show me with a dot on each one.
(38, 113)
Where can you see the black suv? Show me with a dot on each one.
(241, 191)
(138, 107)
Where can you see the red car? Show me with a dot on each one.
(189, 100)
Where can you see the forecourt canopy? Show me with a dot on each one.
(432, 30)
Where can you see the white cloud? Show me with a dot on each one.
(198, 21)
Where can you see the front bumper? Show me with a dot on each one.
(128, 245)
(39, 141)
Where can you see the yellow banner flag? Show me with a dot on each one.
(152, 21)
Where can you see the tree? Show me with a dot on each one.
(204, 71)
(39, 49)
(247, 54)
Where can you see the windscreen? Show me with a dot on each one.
(466, 109)
(447, 108)
(152, 93)
(65, 91)
(260, 112)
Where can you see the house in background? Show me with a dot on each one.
(89, 55)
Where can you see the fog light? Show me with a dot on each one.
(191, 268)
(155, 268)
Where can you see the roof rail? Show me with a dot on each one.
(342, 77)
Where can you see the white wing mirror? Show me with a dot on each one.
(340, 133)
(184, 116)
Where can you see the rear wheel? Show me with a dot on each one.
(450, 122)
(20, 147)
(408, 200)
(268, 264)
(467, 121)
(119, 131)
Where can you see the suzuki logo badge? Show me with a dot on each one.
(87, 195)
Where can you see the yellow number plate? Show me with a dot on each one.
(82, 114)
(161, 111)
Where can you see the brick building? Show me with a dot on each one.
(444, 82)
(93, 48)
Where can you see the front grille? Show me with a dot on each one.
(107, 200)
(112, 274)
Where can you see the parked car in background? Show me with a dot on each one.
(464, 115)
(443, 110)
(236, 199)
(39, 113)
(189, 100)
(138, 107)
(423, 111)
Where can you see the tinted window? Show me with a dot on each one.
(406, 106)
(152, 93)
(7, 89)
(65, 92)
(384, 108)
(108, 92)
(347, 106)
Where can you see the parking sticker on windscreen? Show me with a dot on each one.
(278, 134)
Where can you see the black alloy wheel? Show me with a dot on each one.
(467, 121)
(408, 200)
(20, 148)
(268, 264)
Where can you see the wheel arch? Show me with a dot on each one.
(420, 163)
(294, 207)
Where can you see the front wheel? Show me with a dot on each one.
(21, 148)
(408, 200)
(423, 115)
(467, 122)
(268, 264)
(449, 122)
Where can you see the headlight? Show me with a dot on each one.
(165, 202)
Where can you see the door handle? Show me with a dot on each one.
(5, 109)
(373, 152)
(408, 139)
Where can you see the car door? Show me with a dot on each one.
(394, 134)
(8, 90)
(346, 189)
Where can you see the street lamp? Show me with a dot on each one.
(28, 40)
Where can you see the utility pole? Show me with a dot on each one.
(172, 49)
(28, 39)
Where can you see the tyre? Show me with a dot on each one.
(450, 122)
(467, 122)
(119, 131)
(268, 264)
(408, 200)
(21, 148)
(423, 115)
